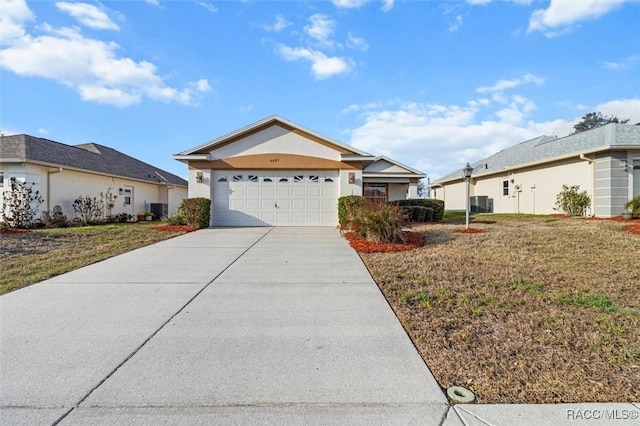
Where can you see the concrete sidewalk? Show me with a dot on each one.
(231, 326)
(221, 326)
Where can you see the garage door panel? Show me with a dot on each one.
(253, 198)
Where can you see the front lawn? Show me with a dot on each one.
(33, 256)
(532, 310)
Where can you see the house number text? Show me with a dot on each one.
(275, 160)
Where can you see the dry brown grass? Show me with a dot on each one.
(43, 253)
(530, 311)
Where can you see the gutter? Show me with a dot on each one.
(591, 162)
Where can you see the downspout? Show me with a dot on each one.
(49, 173)
(593, 182)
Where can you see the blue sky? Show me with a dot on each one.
(431, 84)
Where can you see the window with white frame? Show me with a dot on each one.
(1, 178)
(505, 188)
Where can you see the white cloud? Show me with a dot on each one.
(153, 2)
(621, 108)
(278, 25)
(88, 15)
(456, 24)
(626, 63)
(42, 131)
(91, 67)
(210, 7)
(562, 14)
(15, 14)
(358, 43)
(321, 28)
(387, 5)
(322, 66)
(503, 85)
(439, 138)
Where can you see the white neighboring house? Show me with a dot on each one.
(527, 177)
(62, 173)
(275, 172)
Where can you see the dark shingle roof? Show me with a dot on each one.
(549, 147)
(89, 157)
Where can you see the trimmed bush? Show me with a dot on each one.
(436, 205)
(196, 212)
(346, 206)
(428, 214)
(419, 214)
(570, 200)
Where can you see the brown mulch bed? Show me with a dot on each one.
(535, 311)
(471, 231)
(413, 240)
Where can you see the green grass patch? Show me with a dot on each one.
(45, 253)
(586, 299)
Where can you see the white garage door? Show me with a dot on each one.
(259, 198)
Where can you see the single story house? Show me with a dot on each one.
(62, 173)
(275, 172)
(527, 177)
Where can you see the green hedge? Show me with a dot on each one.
(437, 207)
(196, 211)
(345, 205)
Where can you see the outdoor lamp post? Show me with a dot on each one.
(467, 177)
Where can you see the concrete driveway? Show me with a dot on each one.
(220, 326)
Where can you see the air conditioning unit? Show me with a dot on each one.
(159, 210)
(481, 204)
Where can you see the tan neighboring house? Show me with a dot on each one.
(527, 177)
(62, 173)
(275, 172)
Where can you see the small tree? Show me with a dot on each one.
(20, 204)
(88, 209)
(570, 200)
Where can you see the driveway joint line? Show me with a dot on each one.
(136, 350)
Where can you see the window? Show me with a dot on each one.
(237, 178)
(222, 179)
(313, 178)
(252, 178)
(505, 188)
(267, 179)
(127, 197)
(376, 192)
(1, 178)
(283, 179)
(328, 180)
(298, 178)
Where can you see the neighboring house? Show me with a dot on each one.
(275, 172)
(62, 173)
(527, 177)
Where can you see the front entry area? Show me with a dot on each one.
(269, 198)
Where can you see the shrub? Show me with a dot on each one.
(175, 218)
(572, 201)
(88, 209)
(436, 205)
(428, 214)
(345, 207)
(20, 203)
(633, 205)
(419, 214)
(54, 219)
(409, 213)
(196, 212)
(377, 222)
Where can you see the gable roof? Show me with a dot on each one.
(206, 147)
(544, 149)
(370, 169)
(89, 157)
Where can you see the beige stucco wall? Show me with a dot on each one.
(63, 187)
(539, 187)
(275, 139)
